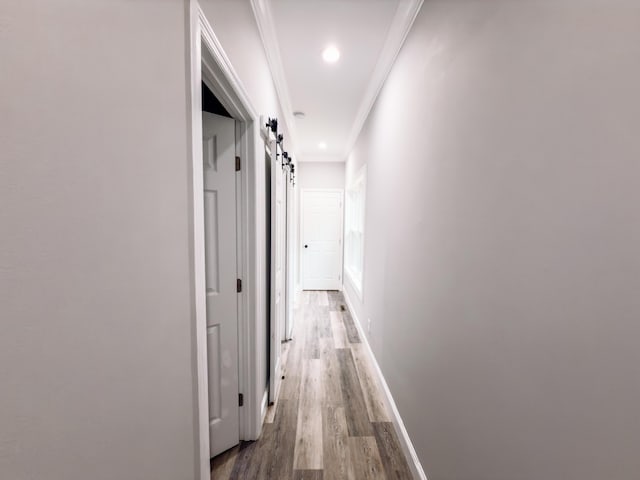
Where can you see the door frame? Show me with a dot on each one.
(301, 239)
(209, 64)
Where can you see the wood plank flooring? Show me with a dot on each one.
(330, 421)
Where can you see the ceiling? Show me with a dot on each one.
(335, 98)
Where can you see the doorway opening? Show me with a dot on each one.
(221, 196)
(223, 219)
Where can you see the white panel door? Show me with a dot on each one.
(321, 239)
(278, 269)
(291, 263)
(218, 147)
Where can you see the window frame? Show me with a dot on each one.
(355, 223)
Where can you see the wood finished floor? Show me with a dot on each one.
(330, 421)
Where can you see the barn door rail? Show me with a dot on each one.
(286, 160)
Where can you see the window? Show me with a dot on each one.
(354, 229)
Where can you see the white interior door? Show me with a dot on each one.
(278, 270)
(321, 239)
(218, 147)
(291, 260)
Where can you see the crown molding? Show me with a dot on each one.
(403, 20)
(266, 27)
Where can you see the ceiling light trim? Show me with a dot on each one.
(402, 22)
(266, 27)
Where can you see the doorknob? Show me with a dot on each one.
(306, 246)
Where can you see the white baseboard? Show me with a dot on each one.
(401, 431)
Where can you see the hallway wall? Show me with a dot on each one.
(320, 175)
(96, 357)
(502, 267)
(95, 328)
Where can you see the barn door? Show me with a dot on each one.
(291, 260)
(278, 269)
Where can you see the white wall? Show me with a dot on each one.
(502, 267)
(95, 331)
(96, 352)
(235, 26)
(320, 174)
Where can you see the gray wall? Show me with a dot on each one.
(320, 175)
(95, 332)
(502, 266)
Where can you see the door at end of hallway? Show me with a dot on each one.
(321, 236)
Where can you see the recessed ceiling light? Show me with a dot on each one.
(299, 114)
(331, 54)
(322, 146)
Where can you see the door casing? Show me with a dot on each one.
(209, 64)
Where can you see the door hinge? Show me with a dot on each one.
(237, 164)
(238, 285)
(240, 400)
